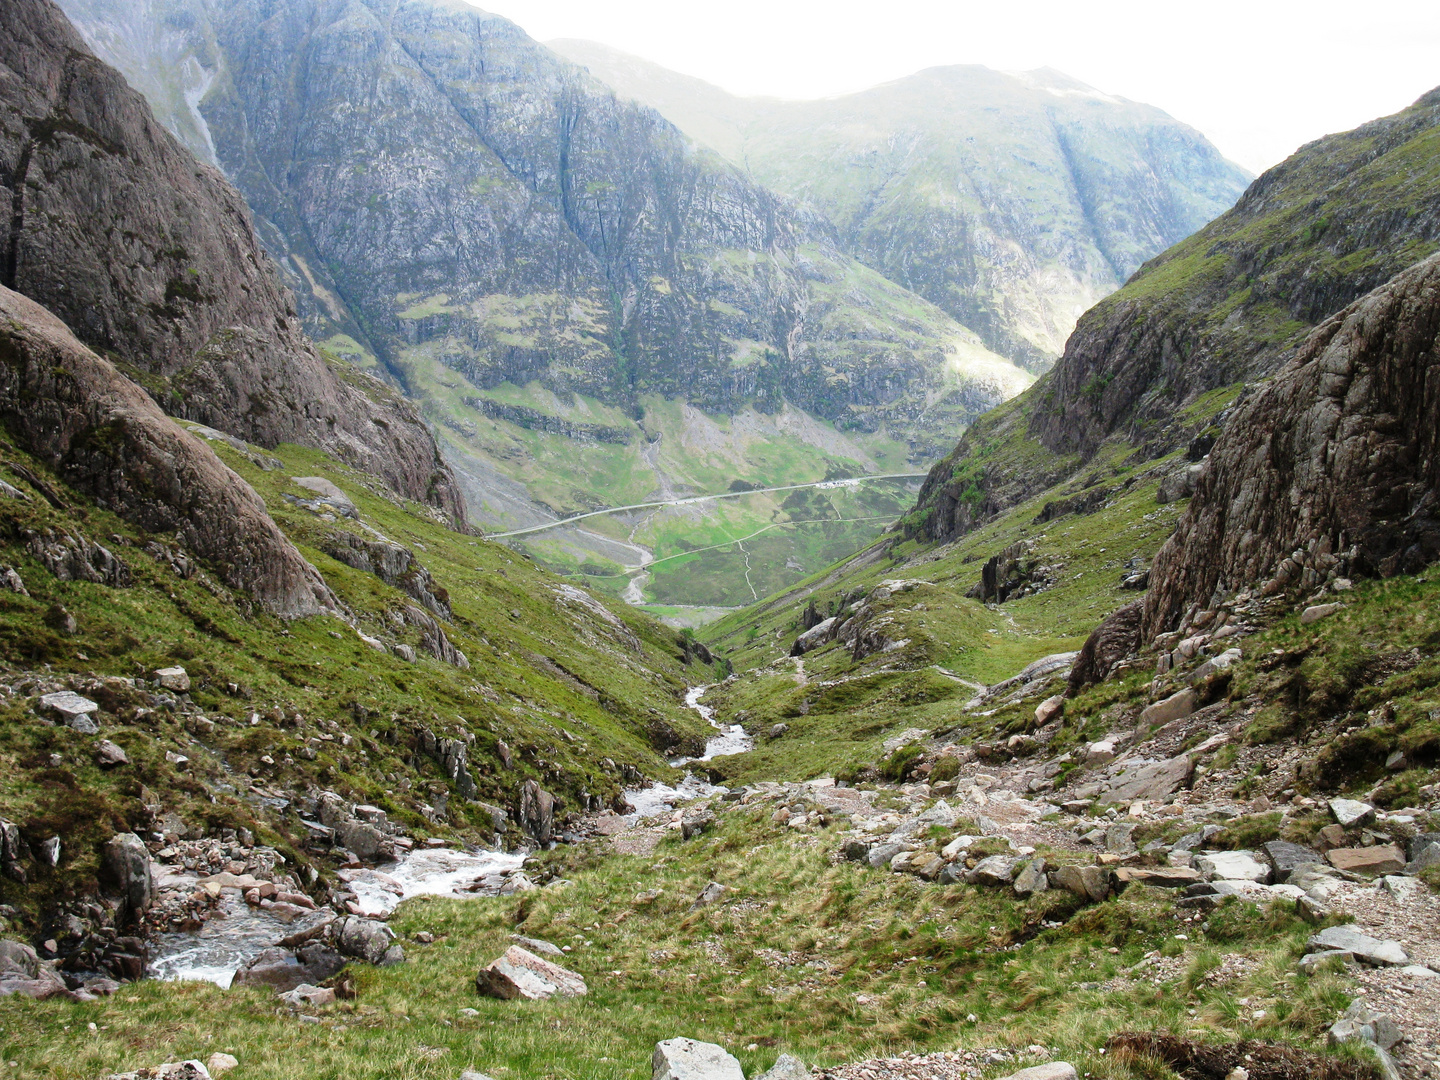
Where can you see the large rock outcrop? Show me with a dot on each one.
(107, 438)
(150, 257)
(1332, 466)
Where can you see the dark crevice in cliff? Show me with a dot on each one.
(17, 215)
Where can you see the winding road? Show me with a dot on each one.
(851, 482)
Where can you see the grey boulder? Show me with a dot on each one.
(128, 862)
(1363, 947)
(787, 1067)
(687, 1059)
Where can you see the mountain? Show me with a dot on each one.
(588, 308)
(150, 258)
(447, 193)
(1157, 364)
(1013, 201)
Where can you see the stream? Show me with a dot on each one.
(661, 798)
(237, 932)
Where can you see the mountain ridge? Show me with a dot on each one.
(892, 168)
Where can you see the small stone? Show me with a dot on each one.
(709, 894)
(315, 997)
(219, 1063)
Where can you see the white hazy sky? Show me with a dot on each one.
(1259, 77)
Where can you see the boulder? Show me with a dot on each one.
(328, 495)
(1051, 1070)
(1174, 707)
(1315, 612)
(881, 854)
(218, 1063)
(927, 865)
(1424, 858)
(109, 756)
(68, 706)
(1032, 879)
(1365, 948)
(1285, 858)
(1149, 782)
(1049, 709)
(1112, 641)
(48, 851)
(305, 995)
(1090, 883)
(23, 972)
(813, 638)
(128, 863)
(535, 945)
(786, 1067)
(361, 938)
(1350, 813)
(687, 1059)
(996, 871)
(1098, 753)
(520, 974)
(1310, 963)
(1381, 859)
(171, 1070)
(709, 895)
(536, 812)
(1166, 877)
(1232, 866)
(695, 822)
(174, 679)
(1118, 838)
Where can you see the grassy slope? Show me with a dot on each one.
(613, 703)
(781, 965)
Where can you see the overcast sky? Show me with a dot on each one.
(1259, 77)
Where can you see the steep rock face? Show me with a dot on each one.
(1229, 305)
(443, 190)
(1335, 220)
(919, 177)
(108, 439)
(1334, 465)
(149, 256)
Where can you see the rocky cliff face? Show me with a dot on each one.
(1337, 219)
(1332, 468)
(919, 178)
(100, 431)
(443, 190)
(1227, 306)
(149, 256)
